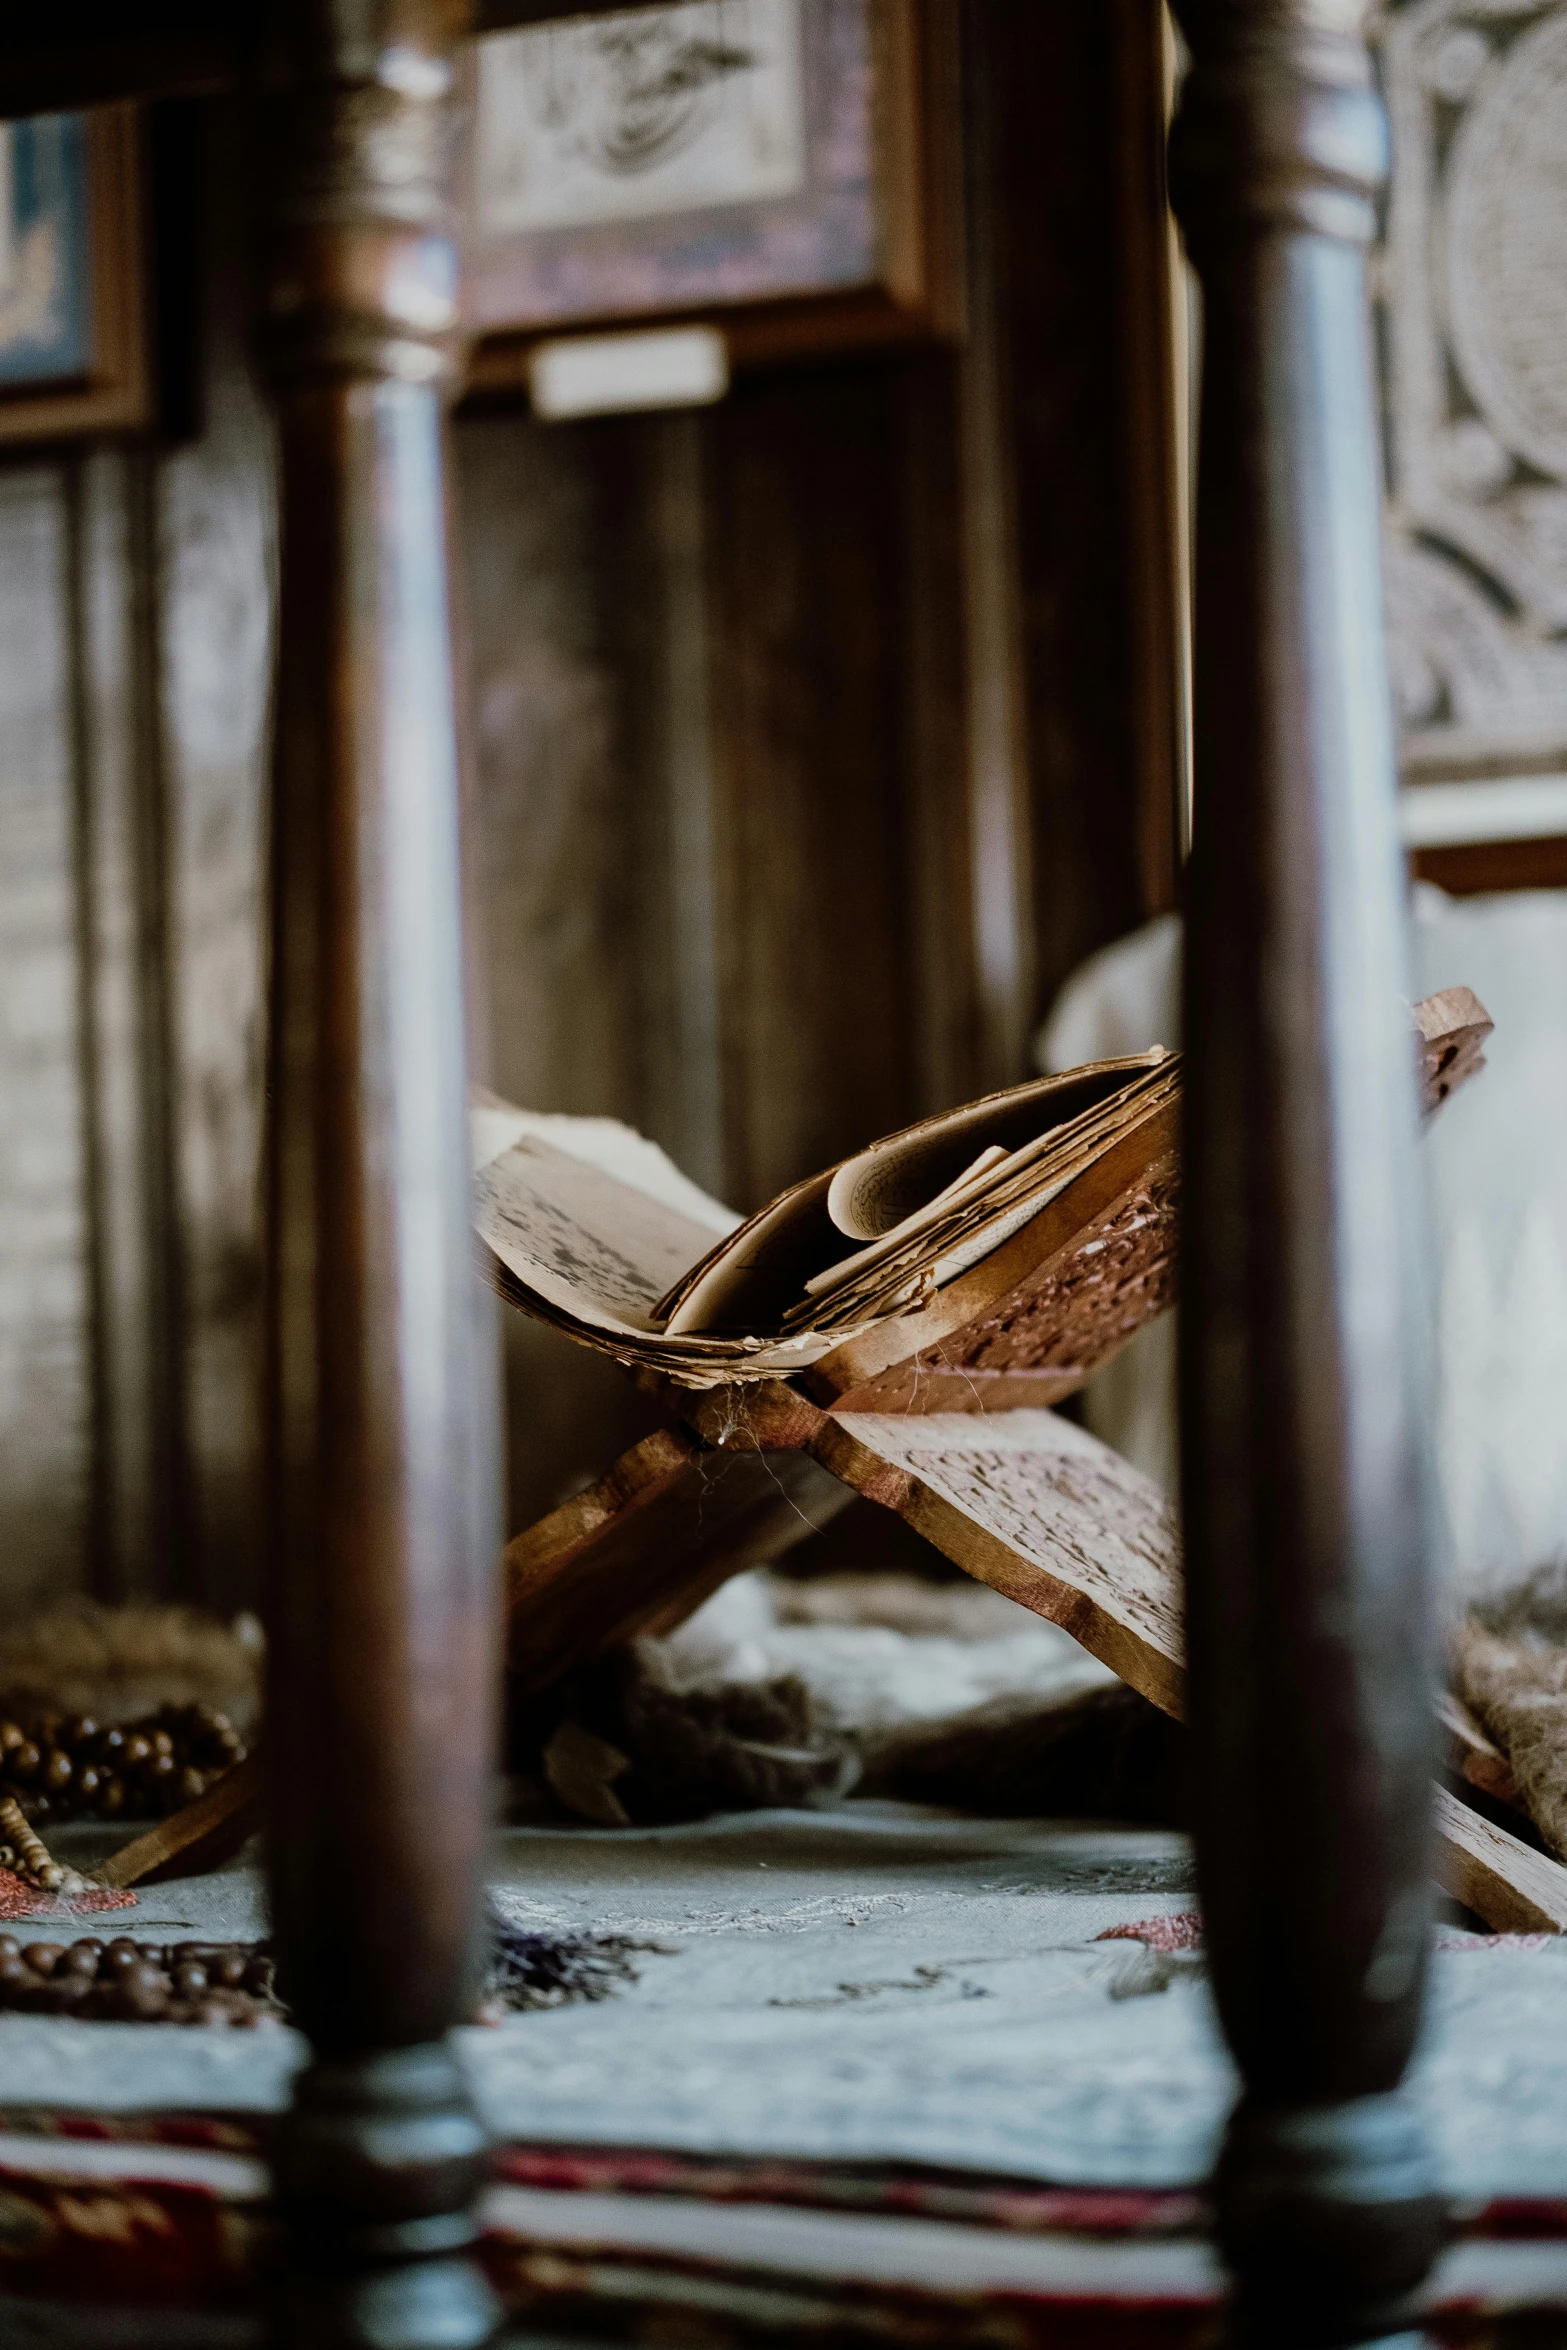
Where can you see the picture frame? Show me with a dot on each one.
(74, 331)
(774, 167)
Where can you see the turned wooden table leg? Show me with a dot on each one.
(382, 1612)
(1302, 1382)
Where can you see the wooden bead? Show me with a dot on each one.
(143, 1989)
(226, 1984)
(64, 1767)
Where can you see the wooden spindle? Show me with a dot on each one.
(380, 1544)
(1302, 1372)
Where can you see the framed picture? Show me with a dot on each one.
(73, 291)
(766, 164)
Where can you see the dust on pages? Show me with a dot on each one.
(592, 1228)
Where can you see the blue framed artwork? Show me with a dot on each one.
(46, 260)
(73, 327)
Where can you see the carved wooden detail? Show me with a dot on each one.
(982, 1325)
(1475, 343)
(1087, 1303)
(1075, 1310)
(1041, 1511)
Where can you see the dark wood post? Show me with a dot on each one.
(381, 1540)
(1302, 1371)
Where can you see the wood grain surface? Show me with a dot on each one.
(640, 1549)
(1516, 1889)
(1042, 1511)
(1302, 1387)
(196, 1837)
(382, 1664)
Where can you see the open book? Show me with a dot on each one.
(1022, 1238)
(592, 1228)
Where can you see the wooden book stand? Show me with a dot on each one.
(941, 1418)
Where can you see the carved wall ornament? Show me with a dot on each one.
(1474, 346)
(1506, 289)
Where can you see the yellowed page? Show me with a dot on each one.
(880, 1187)
(592, 1246)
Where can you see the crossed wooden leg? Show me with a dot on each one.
(1022, 1500)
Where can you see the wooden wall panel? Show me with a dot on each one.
(951, 742)
(545, 540)
(213, 628)
(136, 1436)
(45, 1362)
(715, 670)
(134, 682)
(807, 598)
(806, 757)
(552, 537)
(1059, 112)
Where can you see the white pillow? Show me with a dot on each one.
(1496, 1168)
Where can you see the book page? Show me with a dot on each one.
(980, 1221)
(863, 1259)
(757, 1278)
(593, 1246)
(883, 1186)
(618, 1149)
(750, 1278)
